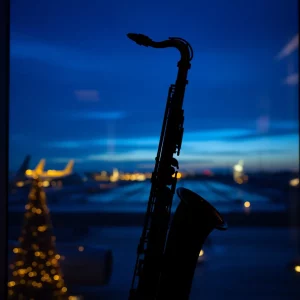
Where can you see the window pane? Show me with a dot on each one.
(86, 110)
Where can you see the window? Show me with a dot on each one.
(86, 110)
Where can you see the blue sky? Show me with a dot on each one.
(80, 89)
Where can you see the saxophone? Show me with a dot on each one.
(167, 257)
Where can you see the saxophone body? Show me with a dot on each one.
(167, 257)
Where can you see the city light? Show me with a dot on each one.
(238, 173)
(297, 269)
(247, 204)
(294, 182)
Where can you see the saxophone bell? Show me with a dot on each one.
(193, 221)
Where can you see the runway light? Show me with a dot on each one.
(201, 253)
(247, 204)
(297, 269)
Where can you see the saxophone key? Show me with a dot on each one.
(175, 163)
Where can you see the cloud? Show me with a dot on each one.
(186, 157)
(270, 133)
(97, 115)
(208, 135)
(194, 139)
(29, 48)
(139, 155)
(186, 165)
(87, 95)
(289, 48)
(66, 160)
(243, 152)
(292, 79)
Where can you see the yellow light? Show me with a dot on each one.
(20, 184)
(15, 273)
(16, 250)
(11, 283)
(28, 172)
(56, 277)
(34, 247)
(80, 248)
(19, 263)
(22, 271)
(42, 228)
(48, 263)
(297, 269)
(64, 289)
(201, 253)
(31, 274)
(294, 182)
(50, 252)
(54, 261)
(37, 253)
(247, 204)
(53, 271)
(46, 183)
(38, 211)
(57, 256)
(238, 168)
(34, 264)
(27, 206)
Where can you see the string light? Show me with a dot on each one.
(36, 265)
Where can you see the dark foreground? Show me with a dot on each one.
(242, 263)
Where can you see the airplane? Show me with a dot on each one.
(50, 174)
(20, 174)
(20, 179)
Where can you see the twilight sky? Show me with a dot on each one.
(81, 89)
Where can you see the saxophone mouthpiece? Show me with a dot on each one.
(140, 39)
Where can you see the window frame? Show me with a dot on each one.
(4, 137)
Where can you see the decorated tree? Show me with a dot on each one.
(36, 273)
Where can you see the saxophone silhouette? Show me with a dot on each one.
(167, 255)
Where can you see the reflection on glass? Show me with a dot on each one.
(85, 117)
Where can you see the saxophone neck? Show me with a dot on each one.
(185, 49)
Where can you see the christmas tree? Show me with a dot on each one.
(36, 273)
